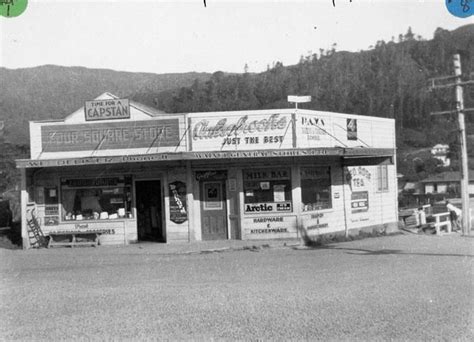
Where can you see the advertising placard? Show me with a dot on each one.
(359, 178)
(267, 207)
(359, 201)
(314, 130)
(351, 129)
(177, 196)
(110, 109)
(241, 132)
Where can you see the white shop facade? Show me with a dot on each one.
(135, 175)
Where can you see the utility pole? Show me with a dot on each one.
(458, 84)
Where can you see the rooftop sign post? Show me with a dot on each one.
(298, 99)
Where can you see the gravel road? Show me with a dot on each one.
(404, 287)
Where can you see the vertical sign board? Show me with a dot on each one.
(360, 179)
(241, 132)
(177, 196)
(107, 109)
(351, 129)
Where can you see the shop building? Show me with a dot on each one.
(132, 174)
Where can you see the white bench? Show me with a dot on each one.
(438, 224)
(69, 238)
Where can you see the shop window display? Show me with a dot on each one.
(96, 199)
(316, 188)
(268, 186)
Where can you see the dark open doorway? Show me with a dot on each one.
(149, 211)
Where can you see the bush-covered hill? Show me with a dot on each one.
(53, 92)
(389, 80)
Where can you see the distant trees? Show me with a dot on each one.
(390, 80)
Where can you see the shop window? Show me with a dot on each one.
(316, 188)
(96, 199)
(50, 196)
(382, 178)
(267, 190)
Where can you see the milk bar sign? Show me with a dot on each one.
(107, 109)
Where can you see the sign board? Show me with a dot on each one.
(110, 109)
(316, 221)
(351, 129)
(152, 157)
(110, 135)
(241, 132)
(360, 179)
(267, 207)
(211, 175)
(359, 201)
(177, 196)
(313, 130)
(270, 227)
(299, 99)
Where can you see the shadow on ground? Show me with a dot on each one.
(11, 238)
(361, 251)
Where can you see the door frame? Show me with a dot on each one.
(162, 206)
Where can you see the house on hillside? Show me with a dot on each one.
(448, 182)
(440, 152)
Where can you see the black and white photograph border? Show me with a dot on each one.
(236, 170)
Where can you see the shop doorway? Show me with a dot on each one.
(213, 210)
(149, 211)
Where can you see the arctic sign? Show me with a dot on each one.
(107, 109)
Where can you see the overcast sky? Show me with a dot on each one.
(181, 36)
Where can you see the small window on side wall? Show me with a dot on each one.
(382, 178)
(316, 188)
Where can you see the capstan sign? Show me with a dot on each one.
(107, 109)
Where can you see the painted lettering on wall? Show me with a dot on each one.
(242, 131)
(204, 130)
(314, 222)
(359, 177)
(267, 219)
(268, 230)
(317, 226)
(270, 225)
(211, 174)
(266, 174)
(111, 135)
(314, 128)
